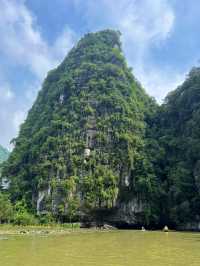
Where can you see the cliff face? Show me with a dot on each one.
(82, 150)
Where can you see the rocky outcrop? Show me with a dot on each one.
(125, 214)
(40, 206)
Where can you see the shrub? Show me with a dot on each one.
(24, 218)
(6, 209)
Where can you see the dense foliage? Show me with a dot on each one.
(94, 143)
(178, 131)
(85, 134)
(6, 208)
(15, 213)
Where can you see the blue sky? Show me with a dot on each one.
(161, 40)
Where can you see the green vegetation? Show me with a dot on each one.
(6, 209)
(90, 104)
(178, 134)
(17, 214)
(94, 141)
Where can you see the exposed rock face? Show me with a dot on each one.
(5, 183)
(121, 215)
(128, 214)
(41, 196)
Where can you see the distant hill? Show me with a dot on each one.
(4, 153)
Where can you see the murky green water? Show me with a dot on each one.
(117, 248)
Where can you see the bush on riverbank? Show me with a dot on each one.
(18, 215)
(6, 209)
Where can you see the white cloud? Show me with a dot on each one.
(146, 20)
(22, 44)
(21, 39)
(6, 110)
(12, 113)
(64, 43)
(144, 24)
(18, 119)
(160, 81)
(6, 94)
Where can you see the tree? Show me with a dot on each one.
(6, 209)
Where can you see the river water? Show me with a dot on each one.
(106, 248)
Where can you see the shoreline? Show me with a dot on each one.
(9, 229)
(57, 229)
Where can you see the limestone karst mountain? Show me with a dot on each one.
(96, 148)
(83, 140)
